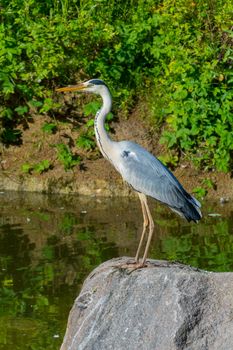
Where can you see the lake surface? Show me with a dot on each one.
(49, 244)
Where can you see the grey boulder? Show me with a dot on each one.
(164, 306)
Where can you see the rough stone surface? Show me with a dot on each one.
(65, 185)
(165, 306)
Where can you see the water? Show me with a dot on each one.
(49, 244)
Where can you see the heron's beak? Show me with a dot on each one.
(71, 88)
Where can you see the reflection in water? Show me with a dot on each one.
(49, 244)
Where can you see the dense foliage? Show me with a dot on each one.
(176, 53)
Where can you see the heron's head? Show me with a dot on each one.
(95, 86)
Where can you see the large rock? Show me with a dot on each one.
(165, 306)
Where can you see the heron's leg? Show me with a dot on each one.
(142, 198)
(151, 230)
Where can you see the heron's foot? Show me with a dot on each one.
(132, 265)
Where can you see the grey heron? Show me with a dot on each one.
(139, 168)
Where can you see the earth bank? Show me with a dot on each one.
(93, 175)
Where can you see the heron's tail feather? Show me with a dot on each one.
(190, 210)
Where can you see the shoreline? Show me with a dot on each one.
(70, 183)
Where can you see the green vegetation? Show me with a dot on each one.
(87, 139)
(66, 157)
(39, 168)
(201, 192)
(174, 55)
(49, 128)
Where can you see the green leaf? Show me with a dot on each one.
(66, 157)
(91, 108)
(49, 128)
(86, 142)
(42, 166)
(26, 168)
(21, 110)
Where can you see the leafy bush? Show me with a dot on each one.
(194, 50)
(40, 42)
(177, 55)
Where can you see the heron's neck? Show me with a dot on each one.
(103, 140)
